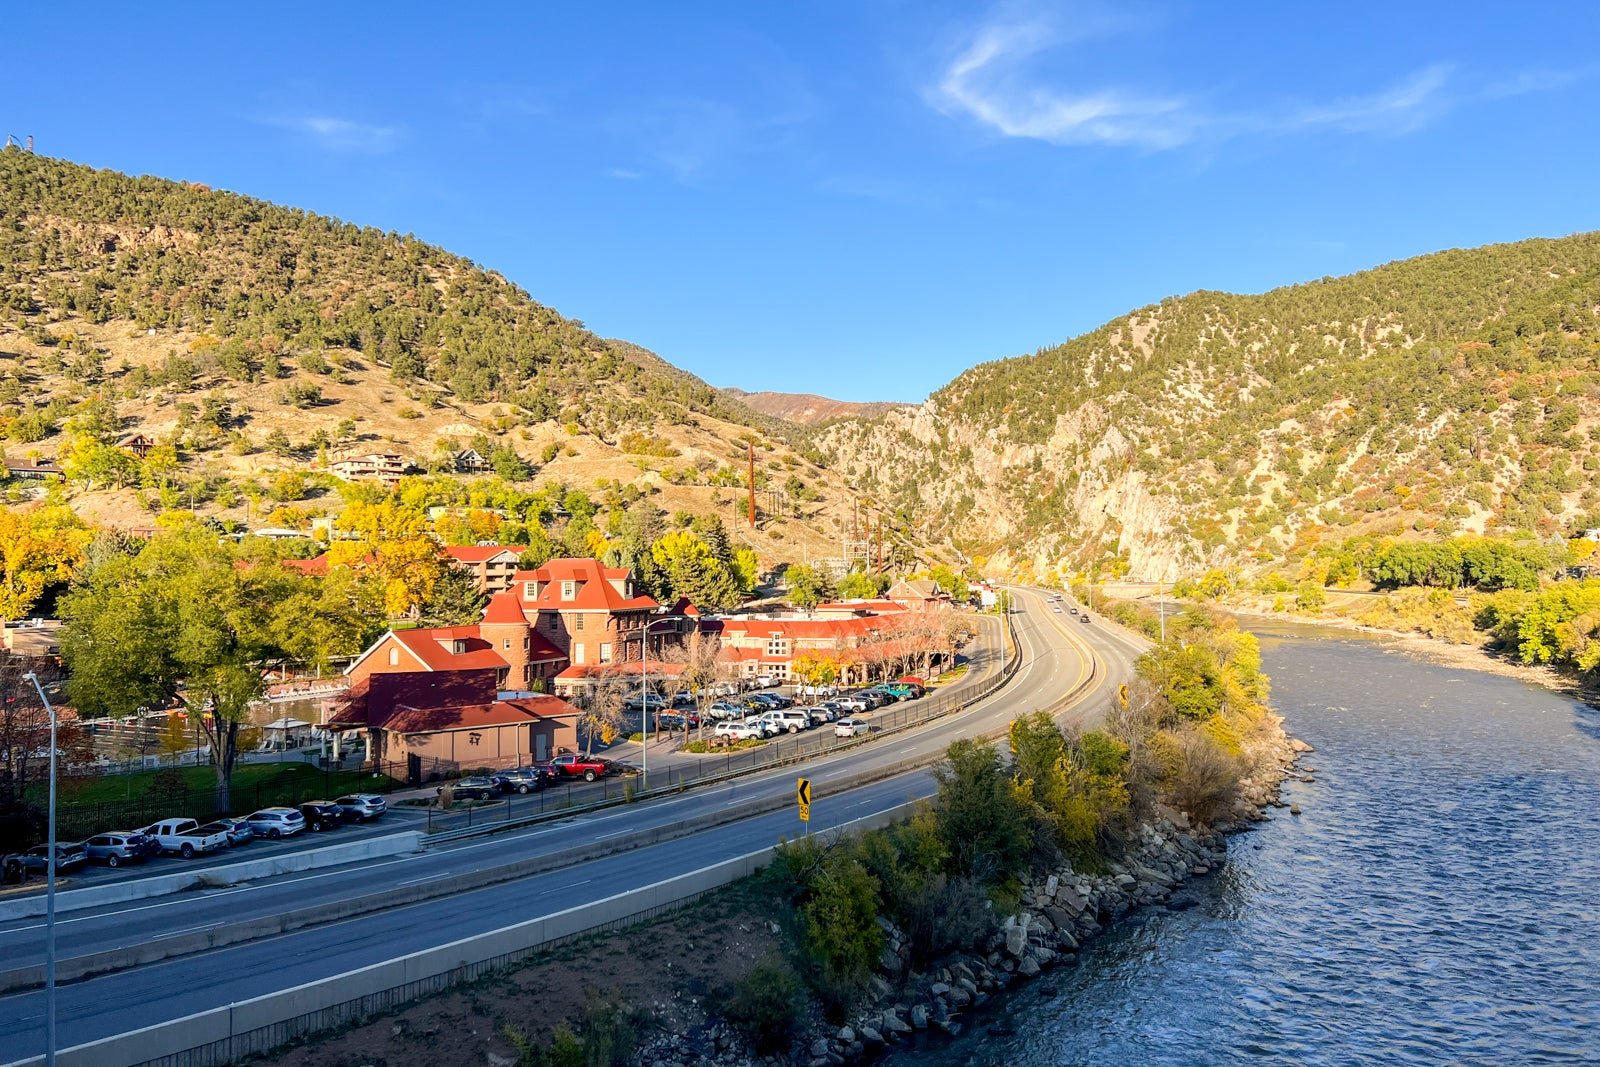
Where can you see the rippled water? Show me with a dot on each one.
(1438, 901)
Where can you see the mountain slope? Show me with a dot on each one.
(1456, 390)
(256, 339)
(808, 409)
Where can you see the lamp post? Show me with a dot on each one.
(49, 892)
(644, 698)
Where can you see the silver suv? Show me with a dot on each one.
(275, 822)
(363, 806)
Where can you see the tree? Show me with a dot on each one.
(39, 547)
(860, 585)
(979, 815)
(815, 670)
(808, 586)
(456, 599)
(601, 709)
(688, 568)
(25, 748)
(179, 621)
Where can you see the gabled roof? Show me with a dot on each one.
(314, 565)
(595, 589)
(480, 553)
(425, 645)
(406, 720)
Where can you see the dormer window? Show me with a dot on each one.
(530, 590)
(458, 646)
(569, 590)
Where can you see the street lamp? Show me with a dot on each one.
(644, 698)
(49, 892)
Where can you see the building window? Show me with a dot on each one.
(527, 640)
(577, 621)
(577, 654)
(508, 642)
(394, 657)
(569, 590)
(605, 653)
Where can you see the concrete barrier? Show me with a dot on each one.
(252, 1027)
(180, 881)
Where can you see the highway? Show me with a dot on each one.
(1059, 655)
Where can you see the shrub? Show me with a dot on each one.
(764, 1005)
(1205, 783)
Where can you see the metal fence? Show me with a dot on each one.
(299, 783)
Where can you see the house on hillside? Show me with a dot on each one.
(918, 591)
(494, 566)
(385, 467)
(469, 461)
(36, 470)
(137, 443)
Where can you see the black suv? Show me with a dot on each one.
(323, 815)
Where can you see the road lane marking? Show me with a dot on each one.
(419, 881)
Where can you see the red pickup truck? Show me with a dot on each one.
(569, 765)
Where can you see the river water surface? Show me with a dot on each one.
(1437, 902)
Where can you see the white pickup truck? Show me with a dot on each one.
(185, 837)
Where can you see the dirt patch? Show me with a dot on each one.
(668, 968)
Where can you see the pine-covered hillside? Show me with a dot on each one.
(251, 341)
(1455, 391)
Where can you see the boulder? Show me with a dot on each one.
(893, 1024)
(1028, 967)
(919, 1016)
(1016, 940)
(870, 1037)
(819, 1047)
(846, 1035)
(1051, 884)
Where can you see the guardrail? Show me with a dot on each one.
(896, 718)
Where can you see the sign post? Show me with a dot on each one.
(803, 795)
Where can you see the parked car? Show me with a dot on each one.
(323, 815)
(118, 847)
(791, 719)
(470, 788)
(851, 727)
(651, 701)
(738, 731)
(519, 780)
(765, 681)
(815, 690)
(238, 831)
(185, 837)
(818, 714)
(726, 709)
(364, 806)
(906, 691)
(853, 702)
(572, 765)
(274, 823)
(766, 723)
(69, 857)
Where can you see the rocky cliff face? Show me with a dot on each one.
(1451, 393)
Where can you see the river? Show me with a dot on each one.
(1437, 902)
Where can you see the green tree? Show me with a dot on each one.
(808, 586)
(980, 819)
(177, 621)
(456, 599)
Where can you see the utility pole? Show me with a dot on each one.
(751, 454)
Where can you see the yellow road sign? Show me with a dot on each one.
(1122, 694)
(803, 795)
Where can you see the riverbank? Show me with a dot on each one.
(671, 977)
(1472, 657)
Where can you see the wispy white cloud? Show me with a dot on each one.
(998, 78)
(339, 134)
(623, 174)
(1400, 108)
(990, 81)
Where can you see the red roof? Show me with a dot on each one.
(373, 699)
(595, 589)
(473, 716)
(592, 670)
(425, 645)
(314, 565)
(504, 607)
(480, 553)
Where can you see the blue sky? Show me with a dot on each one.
(855, 199)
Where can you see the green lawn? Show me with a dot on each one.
(121, 801)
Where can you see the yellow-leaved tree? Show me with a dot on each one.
(39, 547)
(393, 546)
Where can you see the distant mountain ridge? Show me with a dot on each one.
(808, 409)
(1458, 391)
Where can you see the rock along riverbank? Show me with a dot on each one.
(1060, 910)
